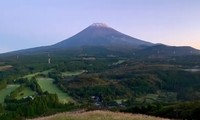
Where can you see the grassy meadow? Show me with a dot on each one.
(67, 73)
(6, 91)
(30, 76)
(25, 92)
(99, 115)
(46, 84)
(119, 62)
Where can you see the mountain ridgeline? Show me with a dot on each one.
(101, 68)
(99, 34)
(99, 37)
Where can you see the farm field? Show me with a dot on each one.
(6, 91)
(99, 115)
(46, 84)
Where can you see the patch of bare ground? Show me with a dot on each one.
(6, 67)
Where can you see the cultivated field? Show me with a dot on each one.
(46, 84)
(99, 115)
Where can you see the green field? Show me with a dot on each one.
(119, 62)
(159, 97)
(30, 76)
(46, 72)
(6, 91)
(67, 73)
(149, 98)
(119, 101)
(25, 92)
(46, 84)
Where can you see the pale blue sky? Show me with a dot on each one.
(32, 23)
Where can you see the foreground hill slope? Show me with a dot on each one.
(98, 115)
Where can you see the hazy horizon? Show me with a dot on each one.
(26, 24)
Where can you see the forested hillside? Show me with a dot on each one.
(166, 87)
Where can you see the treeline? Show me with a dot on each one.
(9, 75)
(178, 110)
(31, 107)
(85, 86)
(32, 83)
(3, 84)
(185, 84)
(148, 80)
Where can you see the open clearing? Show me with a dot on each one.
(30, 76)
(159, 97)
(99, 115)
(25, 92)
(46, 84)
(149, 98)
(6, 67)
(119, 62)
(67, 73)
(6, 91)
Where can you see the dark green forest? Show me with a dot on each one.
(160, 86)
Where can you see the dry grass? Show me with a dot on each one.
(98, 115)
(6, 67)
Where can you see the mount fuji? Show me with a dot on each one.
(99, 34)
(99, 37)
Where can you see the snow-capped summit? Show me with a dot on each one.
(99, 25)
(99, 34)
